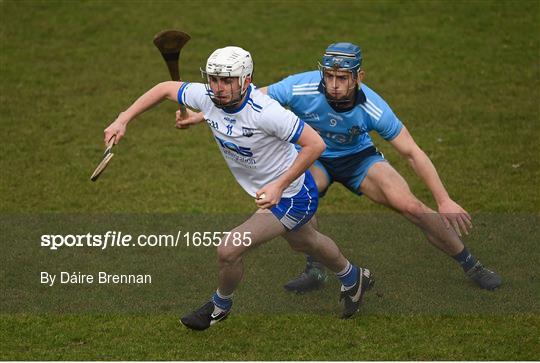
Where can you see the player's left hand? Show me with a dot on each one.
(269, 195)
(455, 217)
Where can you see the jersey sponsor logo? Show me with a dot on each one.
(241, 150)
(342, 138)
(229, 129)
(229, 119)
(247, 132)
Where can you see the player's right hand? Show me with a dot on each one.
(185, 120)
(269, 195)
(118, 128)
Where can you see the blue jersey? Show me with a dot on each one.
(345, 132)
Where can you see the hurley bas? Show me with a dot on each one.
(101, 278)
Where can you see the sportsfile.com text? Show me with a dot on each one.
(121, 239)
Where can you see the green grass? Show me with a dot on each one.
(464, 78)
(307, 337)
(465, 73)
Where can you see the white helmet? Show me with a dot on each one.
(230, 62)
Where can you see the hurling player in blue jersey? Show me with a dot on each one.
(343, 110)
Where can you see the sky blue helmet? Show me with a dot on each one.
(342, 55)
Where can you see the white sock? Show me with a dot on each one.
(345, 270)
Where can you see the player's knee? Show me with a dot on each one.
(413, 207)
(321, 185)
(227, 255)
(321, 180)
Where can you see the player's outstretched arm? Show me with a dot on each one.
(164, 90)
(453, 214)
(312, 147)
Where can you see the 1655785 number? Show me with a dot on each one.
(216, 239)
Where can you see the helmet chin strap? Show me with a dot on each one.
(344, 104)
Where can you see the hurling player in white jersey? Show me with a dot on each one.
(256, 136)
(343, 110)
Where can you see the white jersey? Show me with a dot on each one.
(256, 139)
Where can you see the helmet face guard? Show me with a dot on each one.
(351, 85)
(228, 62)
(341, 57)
(235, 95)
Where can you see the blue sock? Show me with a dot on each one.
(222, 301)
(348, 275)
(465, 259)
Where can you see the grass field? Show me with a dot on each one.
(463, 76)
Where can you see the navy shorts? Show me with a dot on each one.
(349, 170)
(296, 211)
